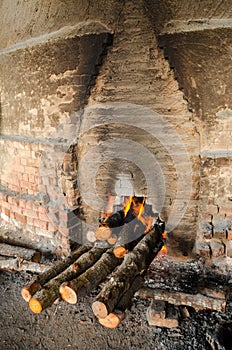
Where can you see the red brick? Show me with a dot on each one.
(6, 212)
(30, 221)
(31, 170)
(42, 209)
(22, 203)
(41, 224)
(18, 168)
(29, 205)
(32, 162)
(6, 205)
(13, 188)
(16, 209)
(15, 201)
(20, 218)
(44, 217)
(26, 177)
(24, 184)
(31, 213)
(23, 161)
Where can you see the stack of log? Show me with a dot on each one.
(14, 257)
(87, 267)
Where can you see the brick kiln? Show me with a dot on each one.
(121, 98)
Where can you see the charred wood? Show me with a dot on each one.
(197, 301)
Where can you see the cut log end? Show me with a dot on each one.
(35, 305)
(112, 320)
(91, 236)
(29, 290)
(26, 294)
(102, 233)
(120, 252)
(99, 309)
(68, 294)
(112, 240)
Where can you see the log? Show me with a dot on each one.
(197, 301)
(103, 233)
(91, 278)
(19, 265)
(20, 252)
(113, 239)
(46, 296)
(135, 262)
(37, 282)
(129, 236)
(115, 317)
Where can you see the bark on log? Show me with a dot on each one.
(129, 236)
(20, 252)
(135, 262)
(115, 317)
(37, 282)
(46, 296)
(91, 278)
(197, 301)
(18, 264)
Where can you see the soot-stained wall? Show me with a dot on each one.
(79, 81)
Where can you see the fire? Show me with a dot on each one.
(127, 205)
(164, 249)
(133, 208)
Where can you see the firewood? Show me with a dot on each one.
(46, 296)
(91, 236)
(103, 233)
(197, 301)
(115, 220)
(135, 262)
(113, 239)
(91, 278)
(129, 236)
(37, 282)
(18, 264)
(20, 252)
(112, 320)
(115, 317)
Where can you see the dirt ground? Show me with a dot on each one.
(74, 327)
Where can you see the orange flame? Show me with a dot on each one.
(164, 249)
(127, 205)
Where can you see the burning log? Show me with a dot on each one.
(129, 236)
(20, 252)
(91, 278)
(46, 296)
(37, 282)
(135, 263)
(113, 319)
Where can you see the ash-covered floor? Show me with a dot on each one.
(73, 327)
